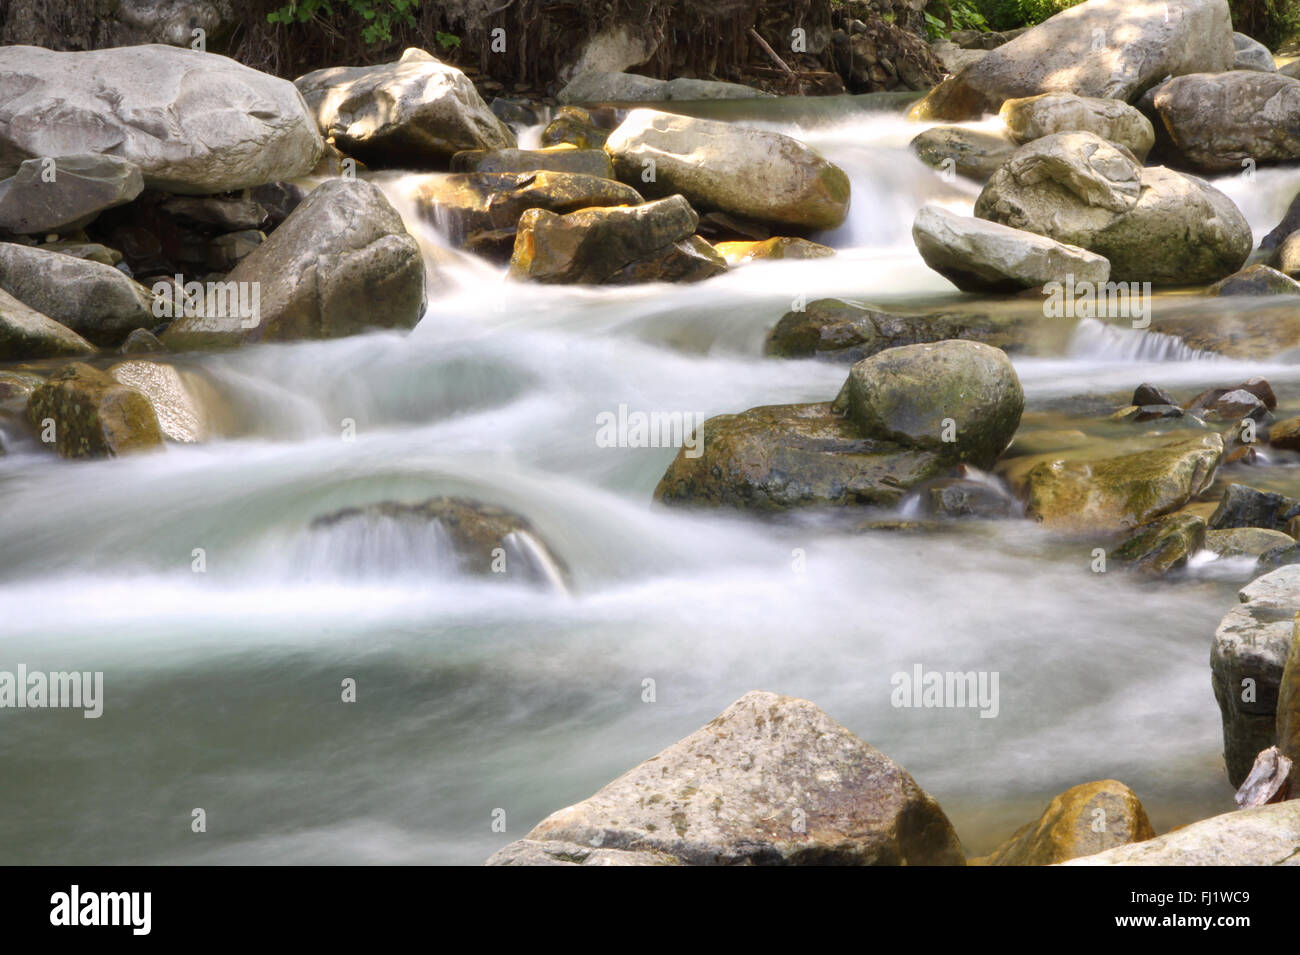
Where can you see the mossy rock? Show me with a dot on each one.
(93, 414)
(1164, 545)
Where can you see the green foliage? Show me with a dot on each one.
(953, 15)
(448, 41)
(379, 15)
(1010, 14)
(1268, 21)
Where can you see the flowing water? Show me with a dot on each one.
(223, 688)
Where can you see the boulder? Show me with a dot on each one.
(1250, 54)
(748, 172)
(777, 247)
(1147, 394)
(778, 457)
(442, 534)
(573, 126)
(1263, 836)
(973, 153)
(1113, 494)
(1247, 657)
(1285, 434)
(1244, 506)
(1289, 225)
(96, 301)
(1082, 821)
(414, 113)
(588, 162)
(1287, 257)
(181, 416)
(1033, 117)
(1164, 545)
(981, 256)
(1255, 280)
(1245, 541)
(58, 195)
(192, 122)
(1153, 224)
(216, 213)
(1288, 713)
(26, 334)
(960, 400)
(954, 58)
(93, 414)
(1222, 122)
(771, 781)
(1259, 387)
(1106, 48)
(835, 330)
(341, 263)
(595, 86)
(481, 204)
(650, 242)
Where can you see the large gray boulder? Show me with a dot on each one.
(1033, 117)
(1265, 835)
(340, 263)
(754, 173)
(771, 781)
(1250, 54)
(1152, 223)
(981, 256)
(193, 122)
(54, 195)
(961, 400)
(96, 301)
(1246, 661)
(1111, 48)
(1218, 122)
(27, 334)
(414, 112)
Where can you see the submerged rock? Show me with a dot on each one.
(1107, 48)
(1163, 545)
(1256, 280)
(1082, 821)
(783, 456)
(93, 415)
(340, 264)
(835, 330)
(192, 122)
(777, 247)
(587, 162)
(980, 256)
(905, 416)
(1112, 494)
(446, 534)
(973, 153)
(754, 173)
(416, 112)
(771, 781)
(1247, 657)
(1266, 835)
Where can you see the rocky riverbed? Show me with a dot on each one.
(415, 465)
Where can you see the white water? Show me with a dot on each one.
(223, 688)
